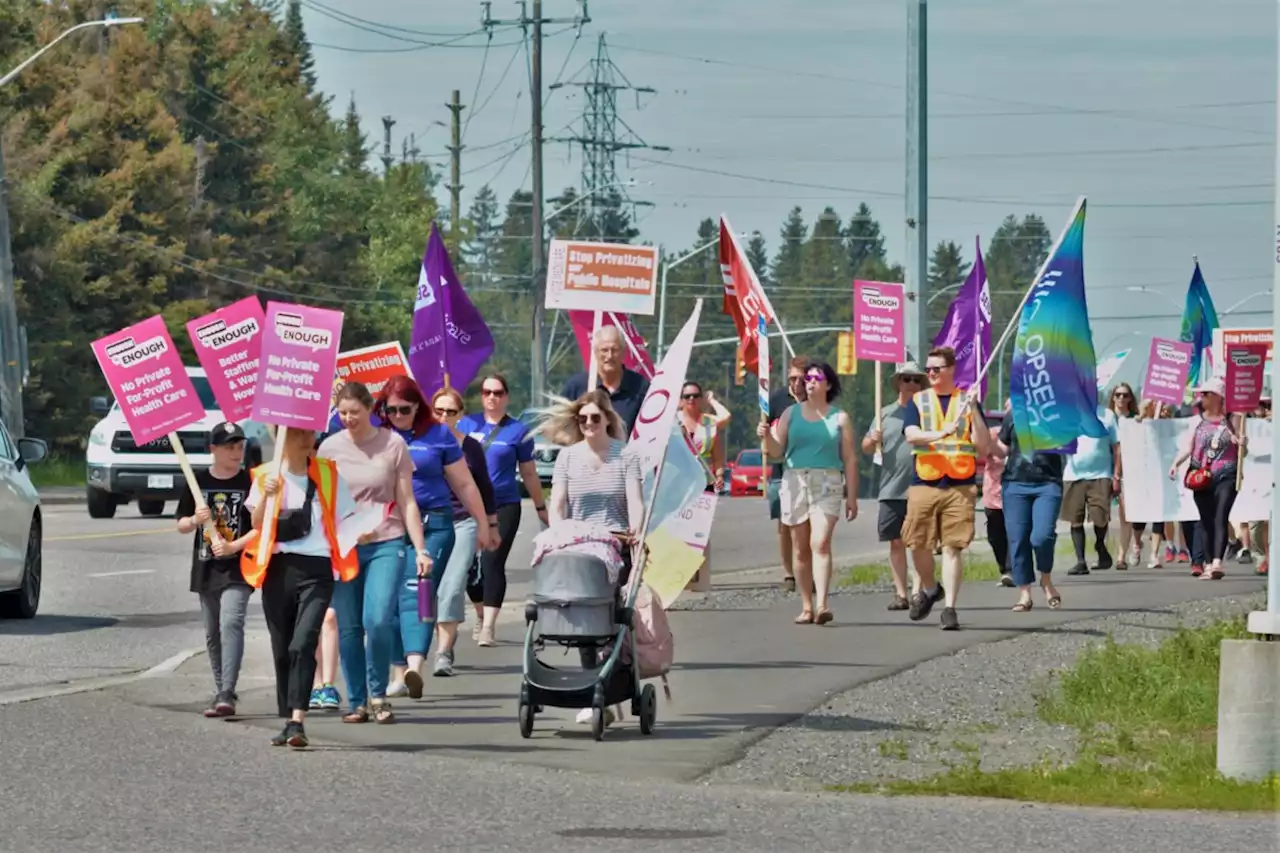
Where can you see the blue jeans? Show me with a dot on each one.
(366, 611)
(1030, 520)
(414, 637)
(451, 584)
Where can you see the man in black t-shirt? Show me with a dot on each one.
(222, 528)
(779, 401)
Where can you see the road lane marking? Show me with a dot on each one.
(79, 537)
(125, 572)
(165, 667)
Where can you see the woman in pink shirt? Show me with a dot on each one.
(993, 508)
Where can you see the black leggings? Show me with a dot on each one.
(492, 588)
(295, 596)
(998, 539)
(1214, 504)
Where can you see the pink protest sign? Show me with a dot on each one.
(228, 343)
(147, 378)
(298, 362)
(1167, 366)
(878, 321)
(1245, 366)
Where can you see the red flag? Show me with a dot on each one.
(744, 298)
(637, 355)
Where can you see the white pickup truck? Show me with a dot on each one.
(119, 471)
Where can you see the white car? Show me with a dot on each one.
(120, 471)
(21, 527)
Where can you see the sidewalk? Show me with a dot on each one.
(739, 673)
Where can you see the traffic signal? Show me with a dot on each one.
(846, 355)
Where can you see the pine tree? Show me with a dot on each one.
(788, 260)
(296, 34)
(481, 250)
(866, 245)
(355, 151)
(947, 271)
(758, 255)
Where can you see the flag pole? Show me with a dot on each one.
(1017, 314)
(777, 321)
(593, 367)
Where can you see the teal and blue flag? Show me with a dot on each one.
(1053, 384)
(1199, 319)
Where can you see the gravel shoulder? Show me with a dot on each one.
(976, 703)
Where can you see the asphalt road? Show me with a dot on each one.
(132, 766)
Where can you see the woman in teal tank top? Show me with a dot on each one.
(815, 440)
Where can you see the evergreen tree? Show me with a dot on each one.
(355, 152)
(947, 271)
(482, 247)
(788, 260)
(866, 245)
(758, 255)
(296, 35)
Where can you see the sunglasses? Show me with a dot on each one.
(691, 396)
(447, 413)
(593, 418)
(911, 380)
(791, 379)
(815, 377)
(1122, 395)
(401, 410)
(935, 368)
(493, 392)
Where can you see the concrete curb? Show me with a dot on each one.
(57, 499)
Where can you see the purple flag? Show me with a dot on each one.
(450, 339)
(967, 326)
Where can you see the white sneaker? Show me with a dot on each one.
(584, 716)
(396, 689)
(486, 639)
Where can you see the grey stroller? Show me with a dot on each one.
(575, 606)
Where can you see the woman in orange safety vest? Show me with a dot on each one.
(301, 536)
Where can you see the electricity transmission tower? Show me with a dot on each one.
(602, 136)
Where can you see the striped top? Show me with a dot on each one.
(597, 493)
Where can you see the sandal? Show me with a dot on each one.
(899, 603)
(805, 618)
(1055, 602)
(382, 714)
(824, 616)
(359, 715)
(1023, 606)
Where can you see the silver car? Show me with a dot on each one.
(544, 452)
(21, 527)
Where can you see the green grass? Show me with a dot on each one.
(893, 748)
(874, 574)
(58, 471)
(1147, 724)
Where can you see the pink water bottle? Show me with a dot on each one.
(426, 600)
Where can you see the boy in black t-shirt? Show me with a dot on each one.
(222, 528)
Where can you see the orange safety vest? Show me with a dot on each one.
(953, 457)
(324, 473)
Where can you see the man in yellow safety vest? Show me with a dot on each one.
(947, 433)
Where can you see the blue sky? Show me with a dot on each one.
(1161, 112)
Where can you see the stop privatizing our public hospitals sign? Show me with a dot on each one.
(298, 363)
(878, 321)
(601, 277)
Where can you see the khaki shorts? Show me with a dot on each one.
(1083, 499)
(806, 492)
(939, 515)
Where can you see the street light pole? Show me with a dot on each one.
(662, 292)
(11, 356)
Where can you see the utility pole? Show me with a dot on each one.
(11, 358)
(387, 123)
(917, 189)
(600, 140)
(455, 173)
(538, 362)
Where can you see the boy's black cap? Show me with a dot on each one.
(226, 433)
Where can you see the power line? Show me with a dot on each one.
(983, 155)
(496, 86)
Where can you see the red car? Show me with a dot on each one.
(747, 476)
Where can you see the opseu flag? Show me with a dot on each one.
(450, 338)
(1054, 385)
(967, 326)
(1199, 319)
(637, 355)
(744, 298)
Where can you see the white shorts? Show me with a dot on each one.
(806, 492)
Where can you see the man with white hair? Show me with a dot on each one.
(626, 388)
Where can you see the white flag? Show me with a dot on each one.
(658, 412)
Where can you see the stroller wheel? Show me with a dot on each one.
(597, 722)
(648, 709)
(525, 713)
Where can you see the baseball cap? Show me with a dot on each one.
(1210, 386)
(226, 433)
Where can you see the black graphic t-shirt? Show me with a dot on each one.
(225, 499)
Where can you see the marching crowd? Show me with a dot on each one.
(450, 485)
